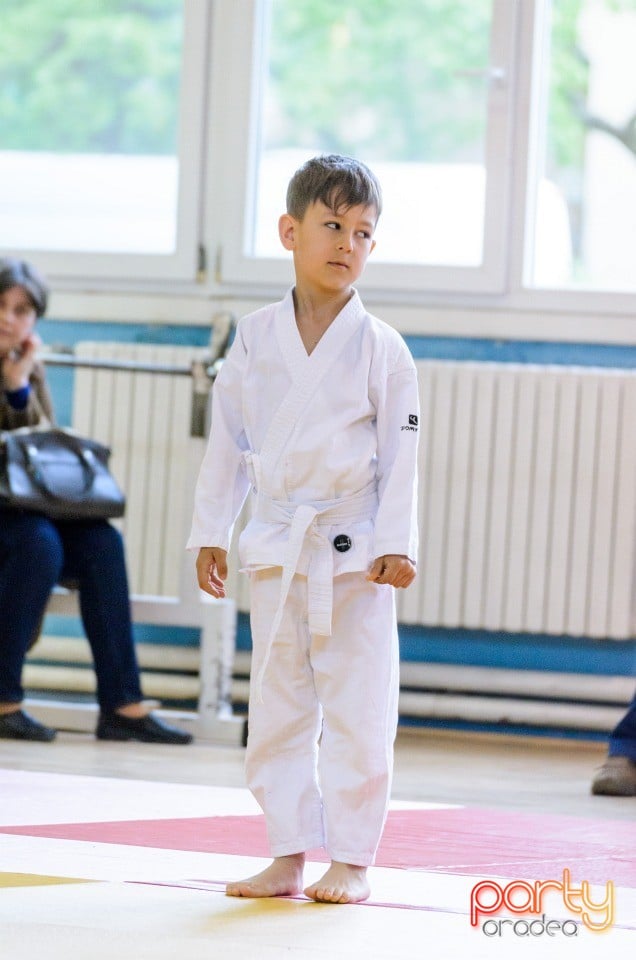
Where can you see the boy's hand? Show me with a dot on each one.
(392, 569)
(212, 570)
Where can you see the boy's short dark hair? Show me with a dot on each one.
(339, 182)
(19, 273)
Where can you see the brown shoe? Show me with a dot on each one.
(616, 778)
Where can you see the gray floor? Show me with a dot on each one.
(490, 770)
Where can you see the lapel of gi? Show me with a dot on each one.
(307, 371)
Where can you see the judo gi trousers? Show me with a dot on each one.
(319, 755)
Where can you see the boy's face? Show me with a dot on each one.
(17, 319)
(330, 248)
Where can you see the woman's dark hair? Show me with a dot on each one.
(19, 273)
(339, 182)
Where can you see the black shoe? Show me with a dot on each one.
(148, 729)
(20, 726)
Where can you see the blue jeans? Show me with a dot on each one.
(35, 553)
(622, 742)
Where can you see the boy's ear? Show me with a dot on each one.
(287, 231)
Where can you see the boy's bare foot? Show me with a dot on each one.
(342, 883)
(283, 878)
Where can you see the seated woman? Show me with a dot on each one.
(35, 553)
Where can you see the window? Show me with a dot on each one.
(421, 92)
(584, 194)
(92, 164)
(134, 131)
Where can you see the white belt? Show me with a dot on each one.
(326, 513)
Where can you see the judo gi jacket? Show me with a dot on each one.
(333, 434)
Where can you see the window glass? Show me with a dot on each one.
(585, 202)
(400, 84)
(89, 100)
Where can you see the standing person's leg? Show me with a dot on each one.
(94, 556)
(31, 558)
(356, 672)
(617, 776)
(282, 744)
(622, 742)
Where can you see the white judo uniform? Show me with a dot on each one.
(327, 445)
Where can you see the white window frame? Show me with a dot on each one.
(217, 154)
(529, 143)
(243, 44)
(183, 263)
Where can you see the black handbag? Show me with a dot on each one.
(58, 473)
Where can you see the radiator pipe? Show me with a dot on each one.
(542, 684)
(132, 366)
(81, 680)
(446, 702)
(477, 709)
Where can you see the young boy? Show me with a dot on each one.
(316, 411)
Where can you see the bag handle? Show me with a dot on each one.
(84, 456)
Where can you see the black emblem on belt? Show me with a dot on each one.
(342, 543)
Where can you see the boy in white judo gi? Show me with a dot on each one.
(315, 412)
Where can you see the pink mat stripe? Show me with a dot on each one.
(473, 841)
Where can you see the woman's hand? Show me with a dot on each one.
(392, 569)
(18, 364)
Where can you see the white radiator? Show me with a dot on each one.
(145, 419)
(527, 500)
